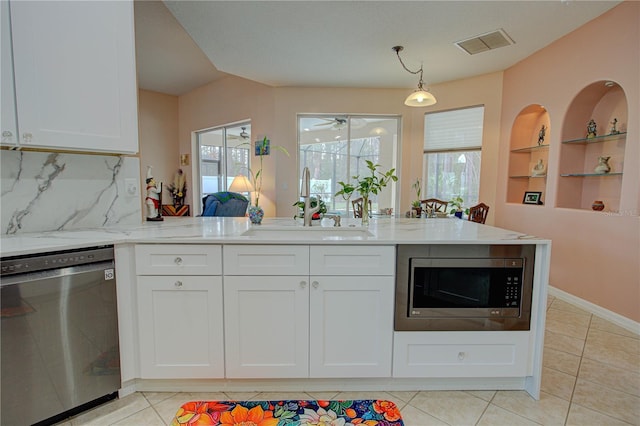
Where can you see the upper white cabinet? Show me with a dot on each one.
(75, 79)
(8, 112)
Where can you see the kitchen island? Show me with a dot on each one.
(217, 303)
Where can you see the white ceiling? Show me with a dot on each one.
(339, 43)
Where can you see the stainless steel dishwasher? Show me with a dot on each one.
(59, 338)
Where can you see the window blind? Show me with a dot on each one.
(453, 130)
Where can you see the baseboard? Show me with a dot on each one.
(617, 319)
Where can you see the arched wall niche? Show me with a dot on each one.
(580, 184)
(529, 145)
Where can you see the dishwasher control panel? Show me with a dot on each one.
(54, 260)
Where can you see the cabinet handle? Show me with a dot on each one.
(7, 136)
(178, 261)
(315, 284)
(178, 284)
(26, 137)
(303, 284)
(461, 355)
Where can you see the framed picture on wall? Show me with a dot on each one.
(532, 198)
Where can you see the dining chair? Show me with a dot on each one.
(434, 205)
(478, 213)
(357, 207)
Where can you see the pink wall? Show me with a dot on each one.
(273, 112)
(595, 256)
(158, 136)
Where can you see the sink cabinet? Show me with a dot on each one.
(179, 306)
(308, 311)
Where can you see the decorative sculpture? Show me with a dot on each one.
(614, 127)
(591, 129)
(153, 201)
(541, 134)
(603, 165)
(539, 169)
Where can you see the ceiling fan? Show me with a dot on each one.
(243, 135)
(336, 123)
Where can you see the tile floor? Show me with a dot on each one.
(591, 377)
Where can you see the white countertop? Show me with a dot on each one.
(197, 230)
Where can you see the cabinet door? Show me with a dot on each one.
(7, 94)
(75, 75)
(266, 322)
(351, 326)
(180, 327)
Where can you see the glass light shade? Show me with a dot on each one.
(420, 98)
(241, 183)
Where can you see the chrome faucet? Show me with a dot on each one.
(305, 193)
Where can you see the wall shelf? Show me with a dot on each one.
(529, 149)
(527, 177)
(598, 139)
(591, 174)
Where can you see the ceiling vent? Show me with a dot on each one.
(483, 42)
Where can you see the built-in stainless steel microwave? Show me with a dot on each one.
(464, 287)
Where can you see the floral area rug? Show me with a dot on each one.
(289, 413)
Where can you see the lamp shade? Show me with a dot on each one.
(420, 98)
(241, 183)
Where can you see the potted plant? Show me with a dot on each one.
(262, 148)
(457, 209)
(416, 204)
(366, 186)
(313, 201)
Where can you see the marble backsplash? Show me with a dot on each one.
(43, 191)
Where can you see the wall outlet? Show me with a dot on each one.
(131, 187)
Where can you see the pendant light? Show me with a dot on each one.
(420, 97)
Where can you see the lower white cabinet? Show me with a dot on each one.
(351, 326)
(266, 326)
(295, 326)
(180, 327)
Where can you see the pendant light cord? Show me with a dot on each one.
(398, 49)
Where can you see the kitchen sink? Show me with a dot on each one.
(312, 233)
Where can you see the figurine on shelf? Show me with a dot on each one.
(603, 165)
(614, 127)
(154, 198)
(539, 169)
(541, 134)
(591, 129)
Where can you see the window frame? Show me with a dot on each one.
(396, 150)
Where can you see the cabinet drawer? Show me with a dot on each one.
(178, 259)
(353, 260)
(266, 260)
(461, 354)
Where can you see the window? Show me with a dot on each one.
(224, 153)
(335, 148)
(452, 154)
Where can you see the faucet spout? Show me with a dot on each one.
(305, 192)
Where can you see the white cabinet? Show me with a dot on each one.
(180, 320)
(461, 354)
(9, 128)
(75, 79)
(300, 311)
(266, 326)
(351, 326)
